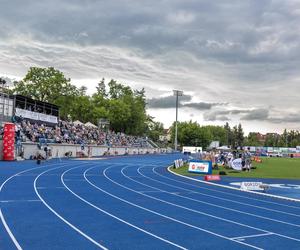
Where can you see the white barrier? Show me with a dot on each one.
(60, 150)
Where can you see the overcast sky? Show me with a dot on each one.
(236, 61)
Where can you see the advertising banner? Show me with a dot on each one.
(253, 186)
(9, 142)
(236, 164)
(36, 116)
(200, 167)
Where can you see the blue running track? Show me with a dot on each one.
(134, 203)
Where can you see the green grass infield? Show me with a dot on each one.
(282, 168)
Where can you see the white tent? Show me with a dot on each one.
(89, 124)
(77, 123)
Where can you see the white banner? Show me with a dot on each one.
(253, 186)
(199, 167)
(236, 164)
(36, 116)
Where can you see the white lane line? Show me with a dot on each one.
(252, 236)
(218, 191)
(196, 211)
(189, 209)
(231, 201)
(59, 216)
(159, 214)
(7, 228)
(154, 191)
(113, 216)
(9, 231)
(9, 201)
(236, 189)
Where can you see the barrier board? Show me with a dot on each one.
(200, 167)
(251, 185)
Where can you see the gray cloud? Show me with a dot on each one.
(256, 114)
(166, 102)
(201, 105)
(290, 118)
(184, 102)
(237, 52)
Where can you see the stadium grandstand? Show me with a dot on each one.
(38, 123)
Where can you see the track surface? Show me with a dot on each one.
(134, 203)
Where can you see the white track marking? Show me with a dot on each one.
(159, 214)
(230, 221)
(220, 198)
(9, 231)
(113, 216)
(11, 235)
(9, 201)
(252, 236)
(59, 216)
(237, 189)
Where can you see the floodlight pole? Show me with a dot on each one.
(176, 93)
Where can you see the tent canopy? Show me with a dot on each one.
(89, 124)
(77, 122)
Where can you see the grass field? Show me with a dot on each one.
(283, 168)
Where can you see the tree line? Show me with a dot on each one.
(125, 108)
(193, 134)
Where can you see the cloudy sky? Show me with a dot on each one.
(236, 61)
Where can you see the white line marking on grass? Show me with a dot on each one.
(111, 215)
(251, 236)
(159, 214)
(233, 188)
(59, 216)
(196, 211)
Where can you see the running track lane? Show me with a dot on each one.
(133, 203)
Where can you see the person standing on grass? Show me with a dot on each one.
(243, 157)
(247, 160)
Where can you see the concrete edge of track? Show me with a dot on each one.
(234, 188)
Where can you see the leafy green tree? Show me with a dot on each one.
(155, 129)
(192, 134)
(228, 135)
(252, 140)
(118, 115)
(45, 84)
(240, 136)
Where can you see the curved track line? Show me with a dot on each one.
(223, 186)
(233, 188)
(59, 216)
(111, 215)
(217, 197)
(162, 215)
(234, 222)
(7, 228)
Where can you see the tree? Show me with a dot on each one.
(45, 84)
(252, 140)
(228, 134)
(101, 89)
(240, 136)
(118, 115)
(192, 134)
(155, 129)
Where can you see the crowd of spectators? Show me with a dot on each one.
(70, 133)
